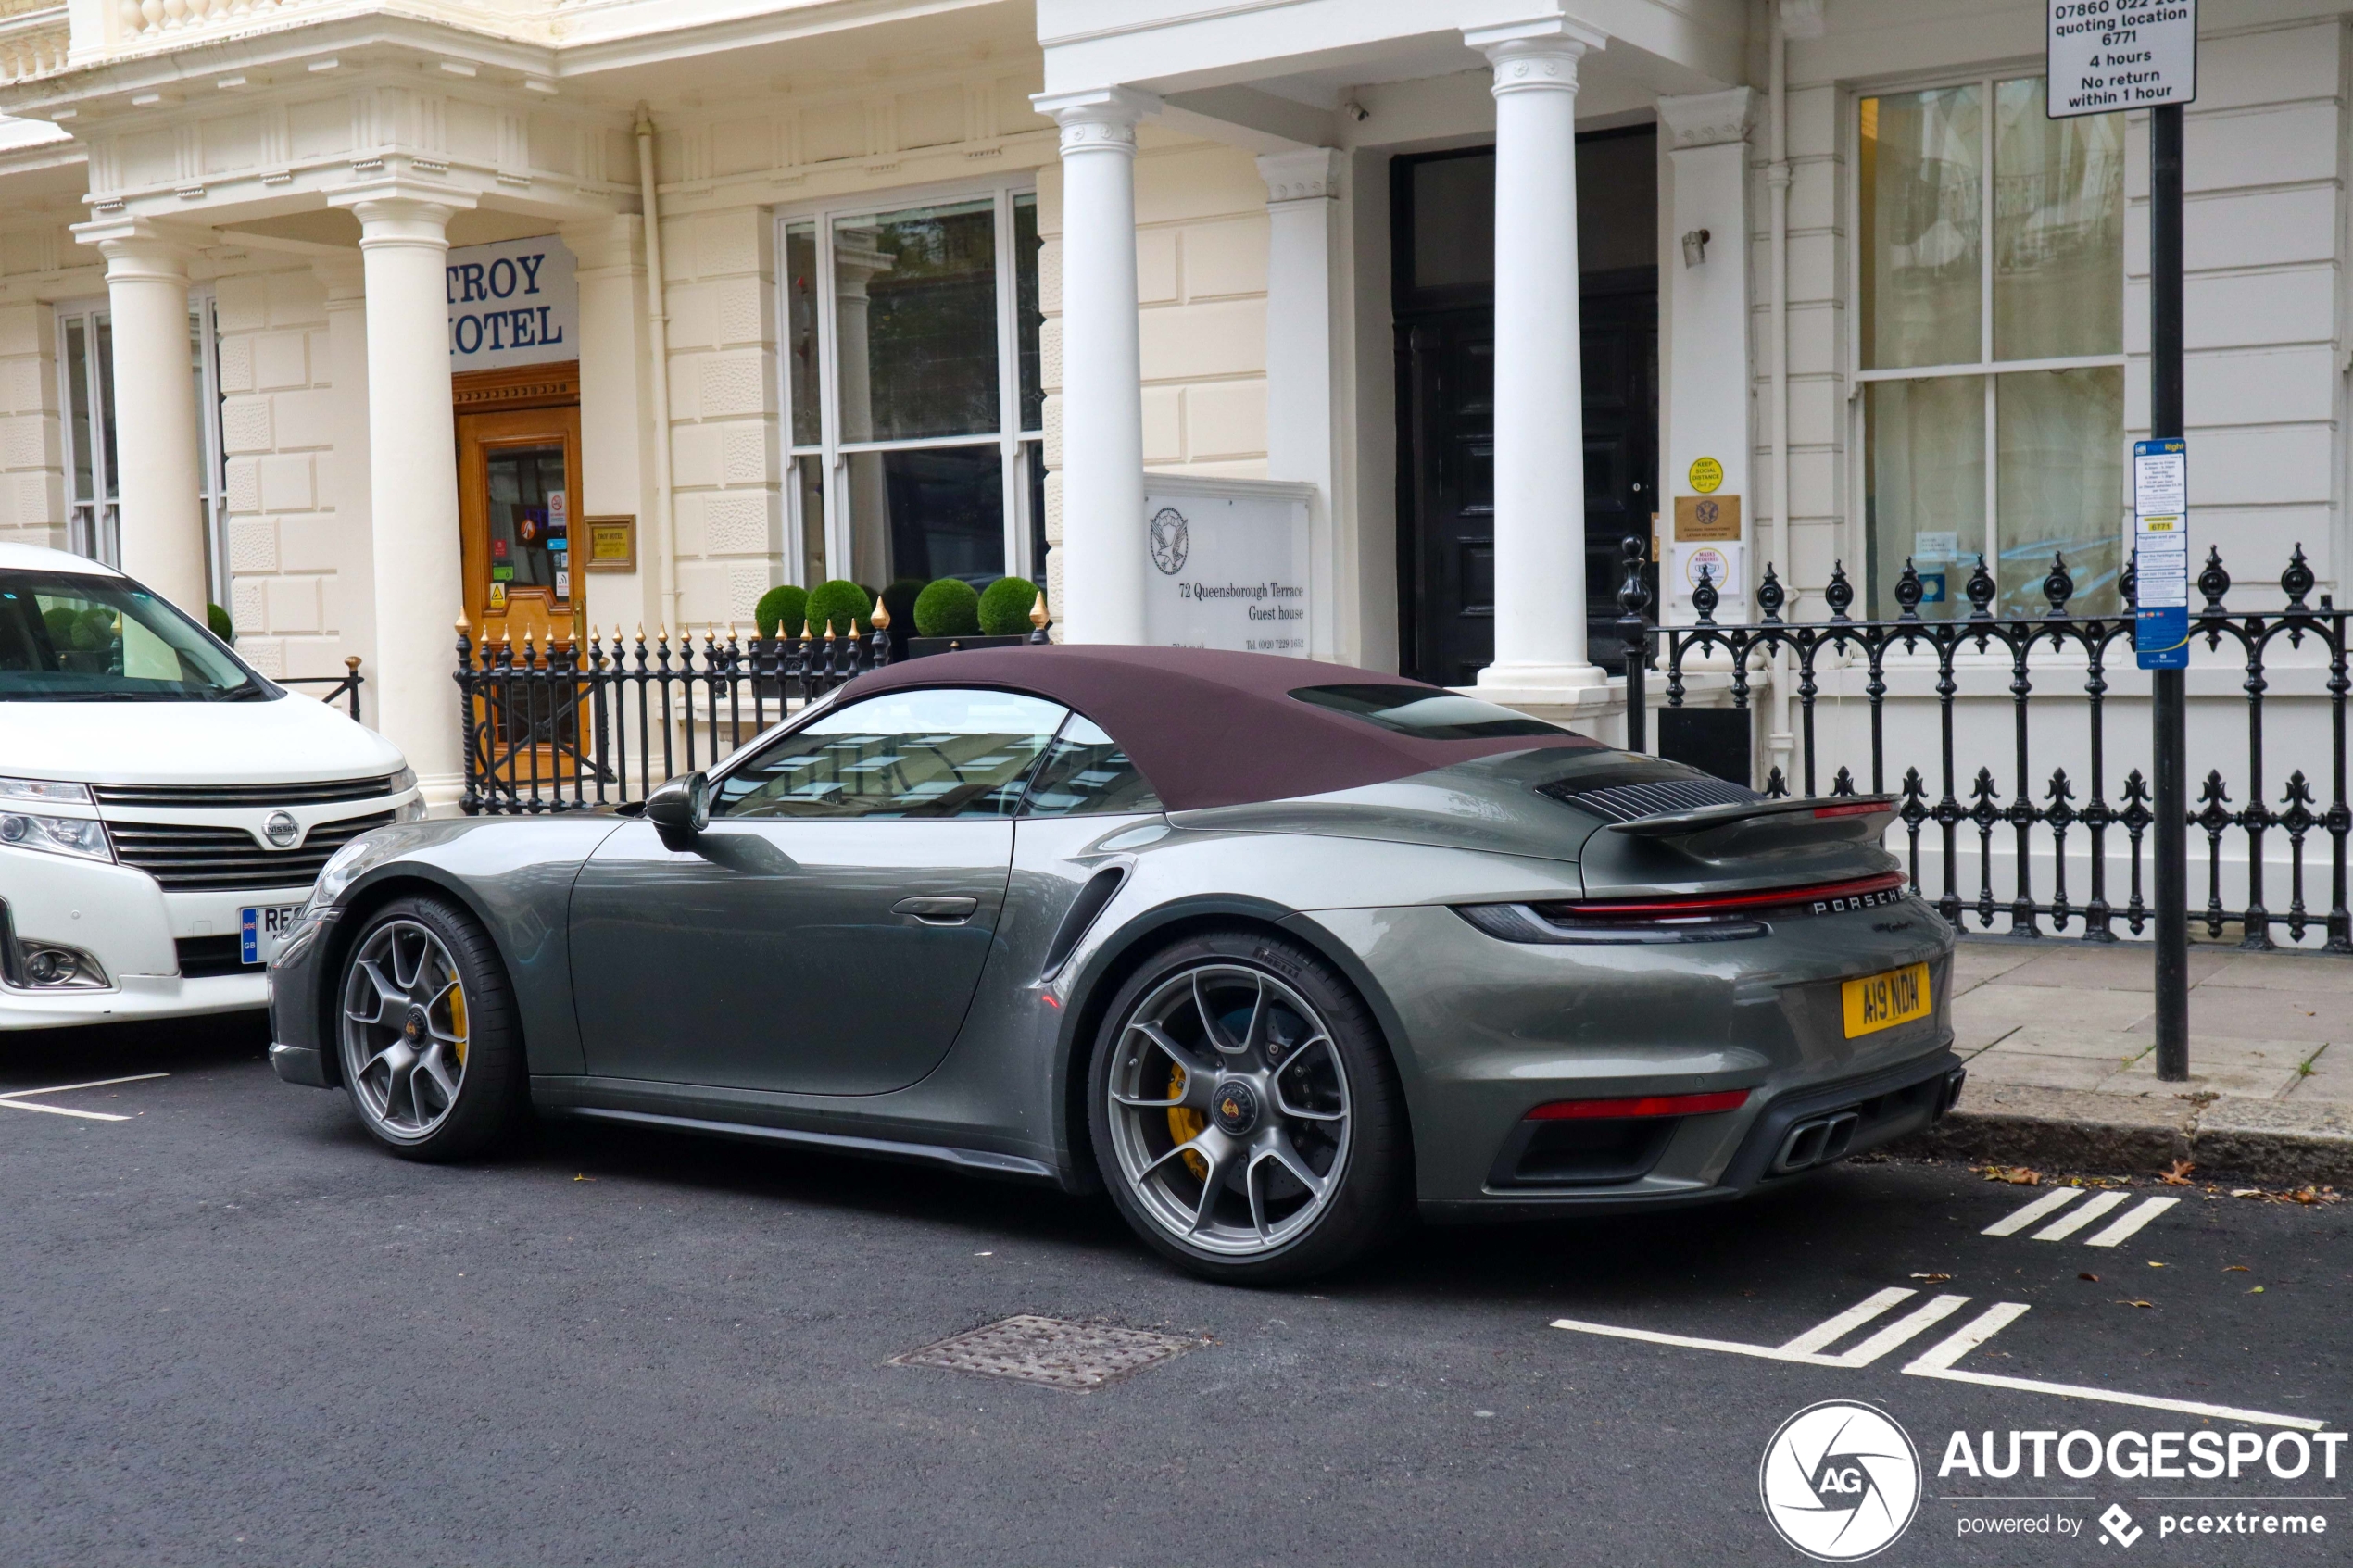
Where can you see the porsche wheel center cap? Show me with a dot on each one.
(1235, 1107)
(412, 1027)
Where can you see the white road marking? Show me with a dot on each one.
(1910, 1327)
(61, 1111)
(2140, 1214)
(2058, 1198)
(1937, 1362)
(2066, 1225)
(17, 1099)
(1854, 1317)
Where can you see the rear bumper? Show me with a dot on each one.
(1854, 1116)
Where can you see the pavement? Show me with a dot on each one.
(2060, 1040)
(236, 1332)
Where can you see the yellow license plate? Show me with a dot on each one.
(1882, 1001)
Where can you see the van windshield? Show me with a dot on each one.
(66, 637)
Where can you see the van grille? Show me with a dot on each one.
(188, 857)
(1626, 803)
(243, 795)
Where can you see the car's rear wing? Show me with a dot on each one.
(1758, 827)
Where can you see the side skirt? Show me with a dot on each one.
(975, 1160)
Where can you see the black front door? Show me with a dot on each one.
(1443, 263)
(1447, 405)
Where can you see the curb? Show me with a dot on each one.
(2130, 1134)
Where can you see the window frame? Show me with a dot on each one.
(754, 749)
(1019, 449)
(1985, 367)
(98, 536)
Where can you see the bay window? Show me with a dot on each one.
(1991, 339)
(912, 396)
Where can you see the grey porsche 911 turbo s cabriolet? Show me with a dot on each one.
(1276, 952)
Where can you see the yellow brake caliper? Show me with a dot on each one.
(457, 1018)
(1186, 1125)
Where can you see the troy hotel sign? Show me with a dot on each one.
(514, 302)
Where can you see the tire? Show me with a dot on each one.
(1245, 1113)
(424, 969)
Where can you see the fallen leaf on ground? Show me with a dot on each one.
(2236, 1268)
(1933, 1279)
(2136, 1303)
(2179, 1176)
(2155, 1264)
(2247, 1192)
(2017, 1175)
(583, 1178)
(2257, 1291)
(2093, 1278)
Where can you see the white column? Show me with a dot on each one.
(157, 456)
(412, 460)
(1102, 397)
(1539, 441)
(1707, 413)
(1303, 211)
(346, 468)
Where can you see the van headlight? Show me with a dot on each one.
(82, 836)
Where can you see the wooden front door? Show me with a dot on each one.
(518, 509)
(518, 484)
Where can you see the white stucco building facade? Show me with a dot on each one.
(874, 289)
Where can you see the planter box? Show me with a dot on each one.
(918, 646)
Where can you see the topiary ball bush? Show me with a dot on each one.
(1004, 609)
(948, 608)
(783, 606)
(216, 621)
(844, 606)
(898, 597)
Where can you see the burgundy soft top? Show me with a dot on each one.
(1209, 728)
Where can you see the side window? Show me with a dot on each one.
(923, 753)
(1085, 773)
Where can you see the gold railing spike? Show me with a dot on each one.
(1038, 611)
(880, 620)
(464, 625)
(804, 628)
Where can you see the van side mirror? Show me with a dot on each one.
(680, 810)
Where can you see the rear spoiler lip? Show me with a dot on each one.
(1677, 824)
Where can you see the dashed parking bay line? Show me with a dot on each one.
(2070, 1220)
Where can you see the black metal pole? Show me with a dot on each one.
(1633, 600)
(2168, 740)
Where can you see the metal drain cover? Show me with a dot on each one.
(1047, 1351)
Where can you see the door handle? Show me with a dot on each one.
(938, 911)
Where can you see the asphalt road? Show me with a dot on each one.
(237, 1332)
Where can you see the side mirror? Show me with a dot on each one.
(680, 810)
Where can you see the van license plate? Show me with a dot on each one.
(1882, 1001)
(262, 931)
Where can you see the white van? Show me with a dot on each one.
(164, 810)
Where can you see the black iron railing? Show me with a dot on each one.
(2059, 673)
(344, 688)
(569, 726)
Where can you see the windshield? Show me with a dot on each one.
(69, 637)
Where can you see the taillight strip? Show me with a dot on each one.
(1701, 904)
(1640, 1105)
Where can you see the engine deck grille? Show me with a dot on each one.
(320, 793)
(187, 858)
(1625, 803)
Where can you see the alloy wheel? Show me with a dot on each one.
(404, 1029)
(1229, 1110)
